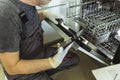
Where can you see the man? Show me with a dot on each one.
(21, 43)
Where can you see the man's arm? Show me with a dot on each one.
(14, 65)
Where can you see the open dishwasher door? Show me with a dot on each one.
(99, 25)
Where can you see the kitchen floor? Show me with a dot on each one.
(80, 72)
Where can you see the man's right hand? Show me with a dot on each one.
(56, 60)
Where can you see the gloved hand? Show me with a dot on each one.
(52, 16)
(56, 60)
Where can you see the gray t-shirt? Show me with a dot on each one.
(9, 29)
(10, 26)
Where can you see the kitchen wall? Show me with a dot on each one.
(58, 7)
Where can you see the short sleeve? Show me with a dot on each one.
(9, 35)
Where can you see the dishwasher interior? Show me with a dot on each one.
(99, 21)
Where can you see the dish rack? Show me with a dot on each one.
(99, 22)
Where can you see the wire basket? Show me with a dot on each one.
(103, 24)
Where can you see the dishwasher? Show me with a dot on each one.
(99, 28)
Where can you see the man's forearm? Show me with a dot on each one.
(30, 66)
